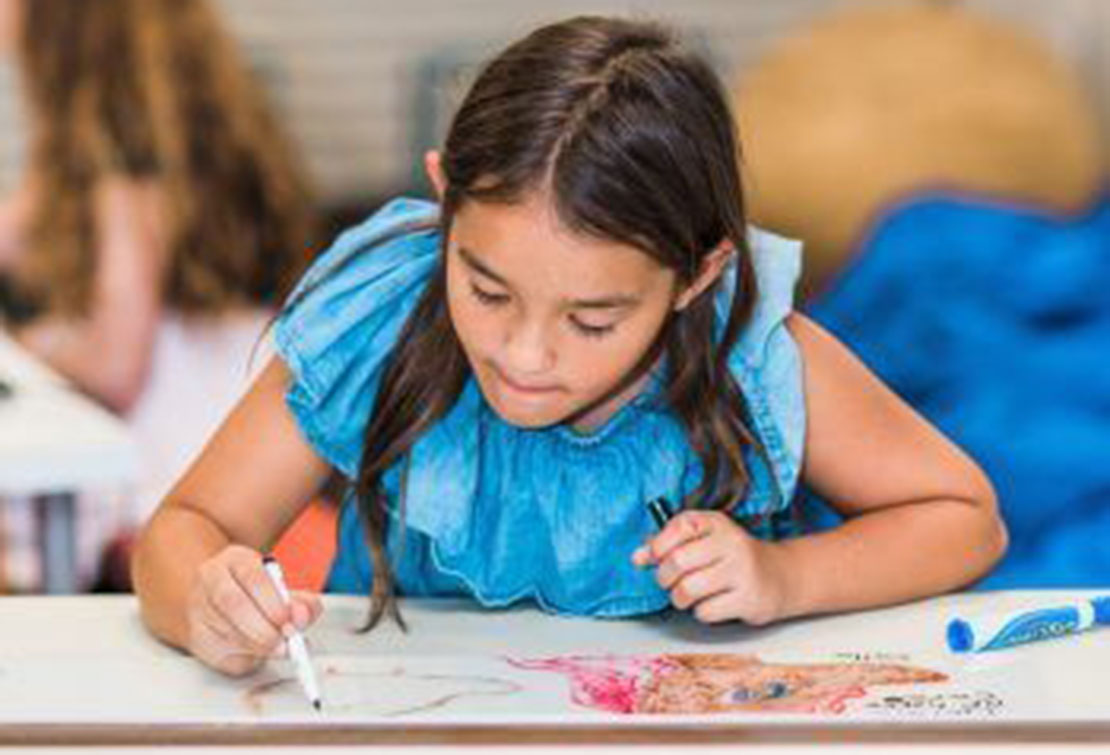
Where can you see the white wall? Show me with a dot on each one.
(349, 65)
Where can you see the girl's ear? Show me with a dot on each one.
(434, 168)
(711, 268)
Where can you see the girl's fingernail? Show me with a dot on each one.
(288, 630)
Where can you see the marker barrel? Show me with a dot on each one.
(994, 631)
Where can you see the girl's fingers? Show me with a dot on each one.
(687, 526)
(226, 637)
(223, 656)
(698, 586)
(300, 615)
(685, 559)
(305, 609)
(715, 608)
(212, 622)
(256, 583)
(239, 611)
(310, 599)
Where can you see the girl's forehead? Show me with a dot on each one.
(529, 238)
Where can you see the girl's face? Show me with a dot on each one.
(551, 321)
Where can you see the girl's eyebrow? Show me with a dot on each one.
(617, 301)
(474, 263)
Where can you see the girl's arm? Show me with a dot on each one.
(107, 353)
(921, 517)
(197, 565)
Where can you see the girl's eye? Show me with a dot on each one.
(488, 298)
(591, 331)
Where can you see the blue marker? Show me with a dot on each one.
(1003, 630)
(661, 511)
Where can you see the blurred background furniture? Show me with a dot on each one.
(54, 443)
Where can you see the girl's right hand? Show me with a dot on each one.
(236, 618)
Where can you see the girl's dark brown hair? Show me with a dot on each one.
(632, 138)
(154, 89)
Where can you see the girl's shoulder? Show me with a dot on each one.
(402, 230)
(343, 319)
(777, 262)
(767, 365)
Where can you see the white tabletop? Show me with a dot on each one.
(52, 438)
(83, 670)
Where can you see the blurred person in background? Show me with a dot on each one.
(161, 213)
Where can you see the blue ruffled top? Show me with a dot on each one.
(503, 513)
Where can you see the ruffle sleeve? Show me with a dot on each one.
(342, 321)
(767, 365)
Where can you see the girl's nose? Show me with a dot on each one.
(527, 351)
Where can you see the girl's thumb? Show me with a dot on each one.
(302, 610)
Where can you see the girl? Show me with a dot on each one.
(581, 325)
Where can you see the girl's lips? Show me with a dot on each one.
(523, 387)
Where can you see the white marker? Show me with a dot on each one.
(298, 650)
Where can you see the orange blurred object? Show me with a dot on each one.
(307, 548)
(869, 105)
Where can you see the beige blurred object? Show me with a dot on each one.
(872, 103)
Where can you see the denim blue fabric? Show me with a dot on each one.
(993, 321)
(503, 513)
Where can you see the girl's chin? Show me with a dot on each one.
(526, 414)
(529, 419)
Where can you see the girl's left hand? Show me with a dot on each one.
(707, 561)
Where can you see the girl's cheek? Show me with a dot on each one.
(485, 331)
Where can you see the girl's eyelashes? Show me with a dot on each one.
(492, 299)
(488, 298)
(591, 331)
